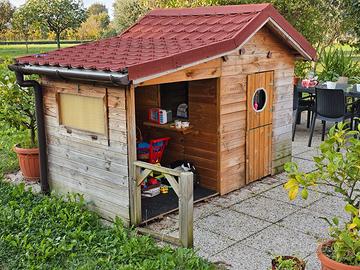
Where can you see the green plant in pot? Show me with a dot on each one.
(17, 110)
(287, 263)
(338, 167)
(336, 63)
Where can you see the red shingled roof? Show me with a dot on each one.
(167, 39)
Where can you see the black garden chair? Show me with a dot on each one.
(356, 109)
(301, 104)
(330, 106)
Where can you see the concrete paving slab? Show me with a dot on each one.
(299, 149)
(280, 240)
(308, 223)
(308, 155)
(232, 198)
(265, 208)
(327, 190)
(242, 257)
(207, 243)
(279, 193)
(330, 206)
(312, 262)
(273, 181)
(232, 224)
(204, 209)
(283, 177)
(304, 165)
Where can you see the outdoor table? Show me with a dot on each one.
(349, 89)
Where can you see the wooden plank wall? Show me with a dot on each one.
(233, 105)
(200, 146)
(80, 164)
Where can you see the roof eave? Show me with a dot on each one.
(74, 74)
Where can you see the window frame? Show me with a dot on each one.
(71, 129)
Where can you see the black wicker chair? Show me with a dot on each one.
(330, 106)
(301, 104)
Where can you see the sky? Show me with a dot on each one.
(87, 3)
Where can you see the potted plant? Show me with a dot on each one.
(17, 110)
(287, 263)
(337, 65)
(338, 167)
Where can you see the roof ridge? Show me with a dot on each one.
(209, 10)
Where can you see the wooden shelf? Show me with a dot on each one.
(169, 126)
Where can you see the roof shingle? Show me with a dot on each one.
(166, 39)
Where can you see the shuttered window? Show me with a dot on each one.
(82, 112)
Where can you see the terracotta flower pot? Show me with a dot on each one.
(29, 162)
(329, 264)
(299, 262)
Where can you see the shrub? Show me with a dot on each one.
(16, 104)
(302, 69)
(338, 168)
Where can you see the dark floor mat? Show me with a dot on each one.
(165, 203)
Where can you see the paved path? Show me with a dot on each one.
(245, 228)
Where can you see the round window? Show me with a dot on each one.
(259, 100)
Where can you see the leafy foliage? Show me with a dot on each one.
(282, 263)
(336, 62)
(91, 28)
(58, 15)
(96, 9)
(23, 22)
(9, 136)
(338, 168)
(346, 245)
(6, 11)
(17, 107)
(45, 232)
(127, 12)
(302, 69)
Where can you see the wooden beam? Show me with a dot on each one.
(186, 207)
(174, 184)
(159, 236)
(142, 175)
(207, 70)
(135, 191)
(156, 168)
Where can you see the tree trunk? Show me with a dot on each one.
(58, 40)
(27, 46)
(32, 135)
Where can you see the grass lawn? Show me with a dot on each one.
(20, 50)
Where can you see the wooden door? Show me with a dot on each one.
(259, 125)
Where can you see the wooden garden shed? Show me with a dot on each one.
(232, 66)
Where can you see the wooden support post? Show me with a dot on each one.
(137, 197)
(186, 205)
(135, 191)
